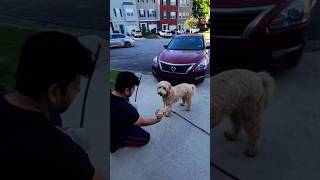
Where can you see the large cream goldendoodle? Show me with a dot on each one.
(241, 96)
(172, 94)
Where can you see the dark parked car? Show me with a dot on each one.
(265, 34)
(184, 59)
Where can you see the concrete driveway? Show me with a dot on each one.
(289, 143)
(177, 149)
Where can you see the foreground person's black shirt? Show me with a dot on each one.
(32, 148)
(122, 115)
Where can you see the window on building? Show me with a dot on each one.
(129, 12)
(141, 13)
(164, 2)
(183, 3)
(115, 12)
(172, 15)
(154, 1)
(120, 10)
(164, 16)
(173, 2)
(180, 15)
(187, 15)
(152, 13)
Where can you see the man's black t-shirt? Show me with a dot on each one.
(122, 115)
(32, 148)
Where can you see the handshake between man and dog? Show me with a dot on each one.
(238, 94)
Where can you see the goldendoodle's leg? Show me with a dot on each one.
(252, 128)
(183, 101)
(168, 111)
(233, 134)
(189, 102)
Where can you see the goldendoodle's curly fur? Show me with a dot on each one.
(172, 94)
(241, 95)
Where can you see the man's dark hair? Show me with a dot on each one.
(126, 80)
(51, 57)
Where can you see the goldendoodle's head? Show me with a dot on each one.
(164, 88)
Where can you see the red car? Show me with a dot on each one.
(184, 59)
(263, 34)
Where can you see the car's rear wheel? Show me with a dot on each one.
(127, 44)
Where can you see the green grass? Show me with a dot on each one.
(11, 42)
(112, 79)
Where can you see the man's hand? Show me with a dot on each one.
(147, 122)
(159, 115)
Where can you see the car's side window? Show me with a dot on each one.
(113, 36)
(122, 36)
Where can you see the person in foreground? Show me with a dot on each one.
(125, 120)
(47, 81)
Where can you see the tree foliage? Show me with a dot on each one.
(201, 8)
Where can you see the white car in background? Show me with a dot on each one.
(195, 29)
(121, 40)
(165, 33)
(136, 33)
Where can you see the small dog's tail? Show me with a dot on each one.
(268, 84)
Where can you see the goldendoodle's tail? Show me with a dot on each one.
(268, 84)
(193, 89)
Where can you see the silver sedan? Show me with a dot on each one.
(121, 40)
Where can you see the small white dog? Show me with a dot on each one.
(172, 94)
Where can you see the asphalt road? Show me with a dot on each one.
(76, 13)
(139, 57)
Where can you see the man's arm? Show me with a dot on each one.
(147, 122)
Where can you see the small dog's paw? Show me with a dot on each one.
(181, 104)
(230, 136)
(188, 109)
(251, 152)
